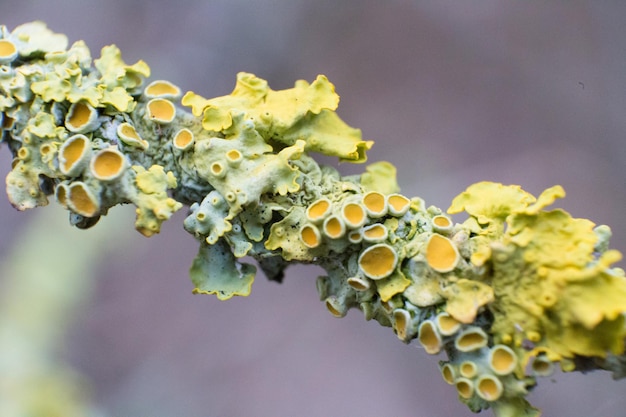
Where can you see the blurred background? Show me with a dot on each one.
(453, 92)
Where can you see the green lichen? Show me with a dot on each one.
(514, 280)
(216, 271)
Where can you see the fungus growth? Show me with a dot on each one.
(90, 133)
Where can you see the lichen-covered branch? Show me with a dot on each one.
(508, 293)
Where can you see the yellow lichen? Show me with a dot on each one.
(398, 204)
(378, 261)
(310, 236)
(44, 125)
(447, 324)
(115, 72)
(470, 339)
(81, 118)
(161, 110)
(259, 172)
(334, 227)
(448, 373)
(355, 236)
(216, 271)
(375, 204)
(154, 205)
(442, 254)
(304, 112)
(183, 139)
(402, 323)
(464, 387)
(318, 210)
(359, 283)
(36, 37)
(82, 200)
(489, 387)
(8, 51)
(392, 285)
(429, 337)
(488, 201)
(468, 369)
(512, 275)
(375, 233)
(353, 215)
(424, 291)
(542, 366)
(442, 224)
(502, 359)
(465, 298)
(129, 136)
(285, 235)
(217, 169)
(73, 154)
(162, 89)
(335, 307)
(381, 177)
(234, 157)
(108, 164)
(585, 299)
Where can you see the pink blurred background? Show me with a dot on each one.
(453, 92)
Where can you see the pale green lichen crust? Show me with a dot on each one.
(508, 293)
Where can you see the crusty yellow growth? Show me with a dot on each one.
(381, 177)
(318, 210)
(161, 88)
(394, 284)
(108, 164)
(442, 222)
(506, 294)
(285, 235)
(502, 200)
(310, 236)
(446, 324)
(465, 388)
(429, 337)
(470, 339)
(154, 206)
(489, 387)
(82, 200)
(448, 373)
(353, 214)
(129, 136)
(465, 298)
(375, 204)
(34, 37)
(468, 369)
(304, 112)
(378, 261)
(74, 154)
(161, 110)
(119, 77)
(398, 204)
(375, 233)
(502, 359)
(334, 227)
(549, 284)
(183, 140)
(441, 253)
(8, 51)
(401, 323)
(81, 118)
(542, 366)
